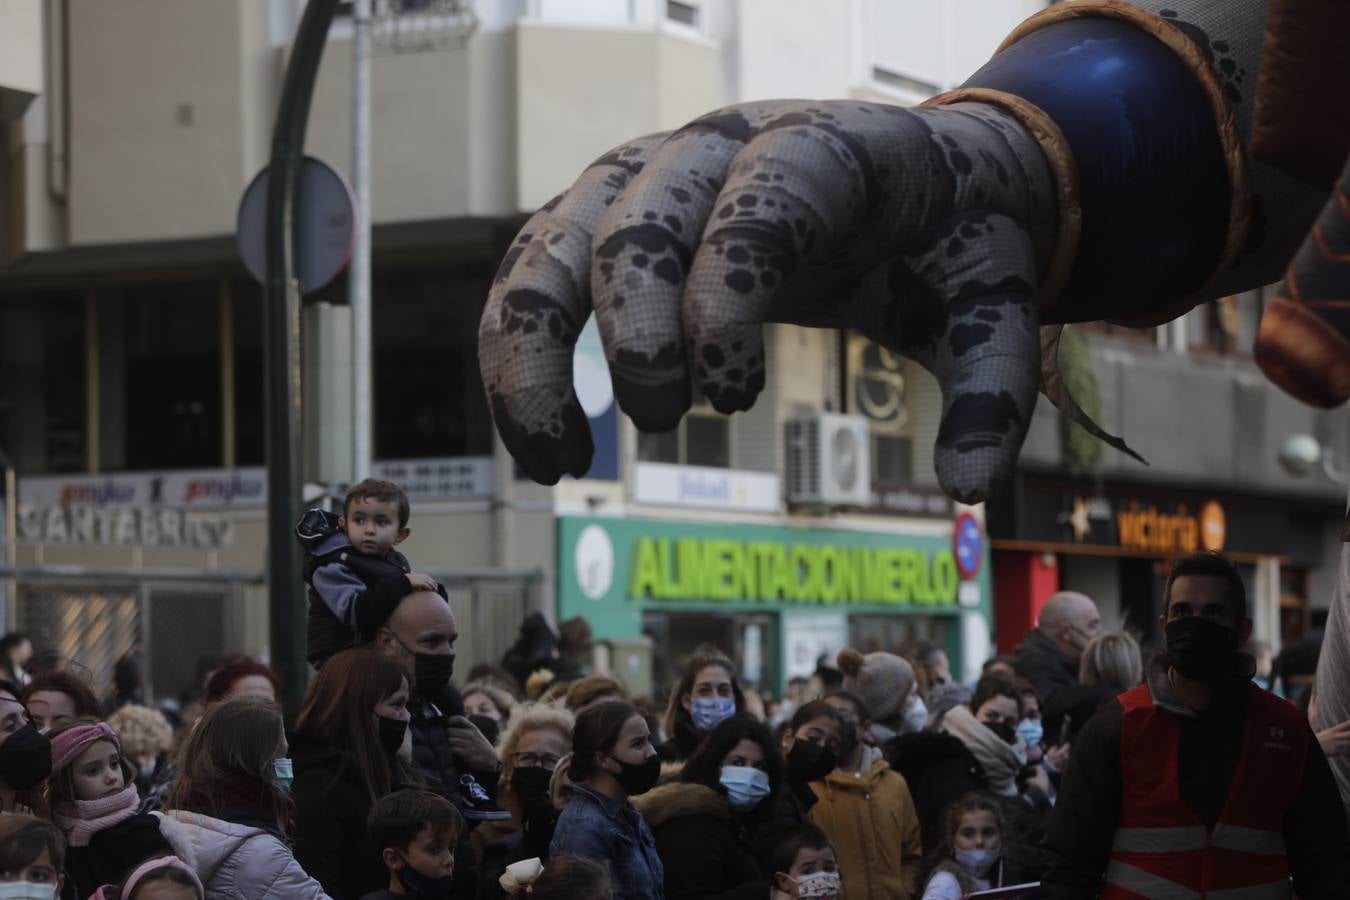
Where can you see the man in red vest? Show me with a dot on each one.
(1198, 782)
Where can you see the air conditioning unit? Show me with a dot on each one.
(829, 462)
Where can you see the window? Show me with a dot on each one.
(42, 382)
(878, 392)
(250, 364)
(428, 393)
(160, 376)
(683, 13)
(703, 438)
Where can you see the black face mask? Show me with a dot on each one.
(487, 727)
(1006, 731)
(809, 762)
(423, 886)
(1200, 649)
(530, 782)
(432, 671)
(391, 733)
(638, 778)
(25, 758)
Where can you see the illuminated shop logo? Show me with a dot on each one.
(768, 571)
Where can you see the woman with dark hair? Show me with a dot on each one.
(350, 748)
(811, 747)
(708, 822)
(55, 698)
(25, 756)
(232, 804)
(242, 676)
(706, 693)
(612, 760)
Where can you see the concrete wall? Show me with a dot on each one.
(1198, 418)
(22, 55)
(585, 91)
(158, 118)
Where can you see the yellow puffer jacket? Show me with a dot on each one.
(870, 817)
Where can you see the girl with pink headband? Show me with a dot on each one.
(94, 802)
(173, 878)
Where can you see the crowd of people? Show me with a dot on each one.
(881, 776)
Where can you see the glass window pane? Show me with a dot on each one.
(159, 352)
(249, 364)
(663, 446)
(428, 393)
(892, 459)
(708, 441)
(42, 382)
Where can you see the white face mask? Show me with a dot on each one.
(818, 884)
(27, 890)
(916, 716)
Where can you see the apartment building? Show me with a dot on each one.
(131, 355)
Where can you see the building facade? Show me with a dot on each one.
(131, 336)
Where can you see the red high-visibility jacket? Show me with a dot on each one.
(1162, 850)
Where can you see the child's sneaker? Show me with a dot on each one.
(478, 803)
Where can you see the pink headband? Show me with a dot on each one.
(163, 862)
(69, 744)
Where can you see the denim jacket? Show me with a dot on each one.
(599, 828)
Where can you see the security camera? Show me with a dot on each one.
(1301, 454)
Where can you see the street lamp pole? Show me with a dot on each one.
(360, 265)
(11, 538)
(282, 329)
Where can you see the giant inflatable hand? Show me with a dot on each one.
(1096, 168)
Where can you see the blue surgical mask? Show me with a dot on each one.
(283, 773)
(746, 786)
(977, 862)
(1030, 731)
(708, 711)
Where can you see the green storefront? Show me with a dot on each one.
(775, 598)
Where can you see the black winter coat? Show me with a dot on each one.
(701, 844)
(1055, 677)
(113, 852)
(939, 770)
(331, 805)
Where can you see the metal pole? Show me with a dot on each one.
(282, 321)
(360, 266)
(10, 599)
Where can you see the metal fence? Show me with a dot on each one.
(173, 619)
(169, 619)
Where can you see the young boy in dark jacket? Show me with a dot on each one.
(354, 574)
(416, 832)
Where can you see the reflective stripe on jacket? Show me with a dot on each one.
(1162, 850)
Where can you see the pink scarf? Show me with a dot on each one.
(83, 819)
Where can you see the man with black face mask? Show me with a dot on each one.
(1198, 781)
(450, 753)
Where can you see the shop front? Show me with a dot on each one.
(776, 599)
(1113, 541)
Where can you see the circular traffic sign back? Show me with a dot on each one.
(326, 218)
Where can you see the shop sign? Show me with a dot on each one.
(766, 571)
(449, 478)
(201, 489)
(610, 569)
(672, 485)
(126, 526)
(1156, 521)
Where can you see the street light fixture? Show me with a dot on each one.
(1302, 453)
